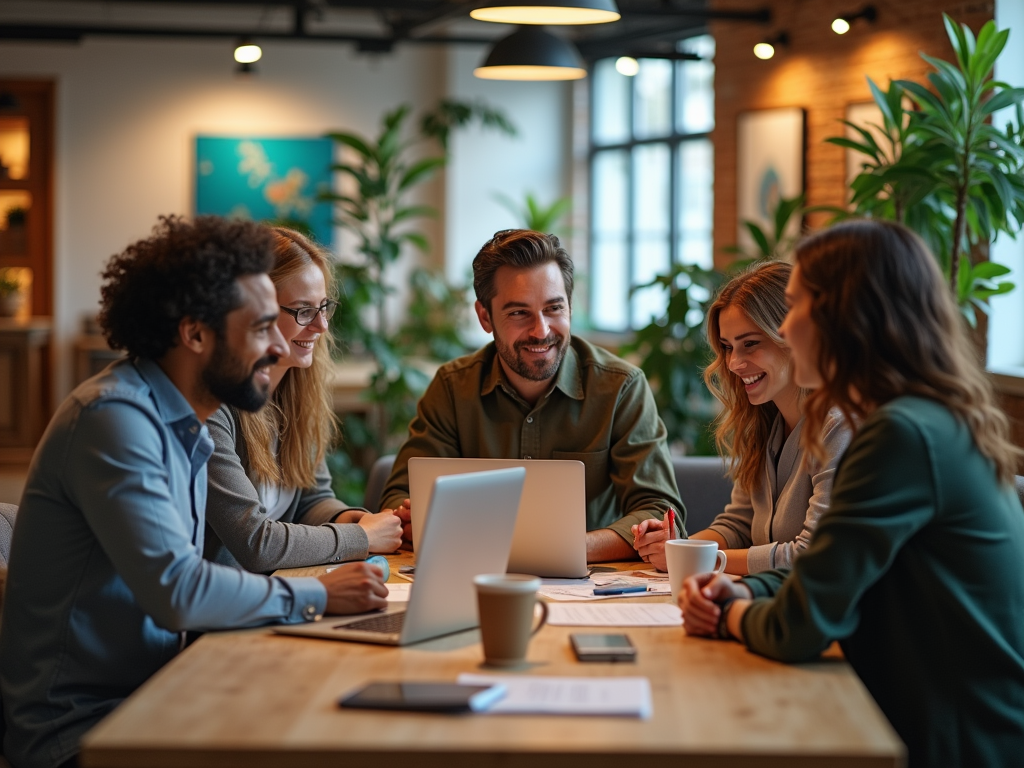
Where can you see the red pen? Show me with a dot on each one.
(670, 516)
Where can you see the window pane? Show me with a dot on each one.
(696, 104)
(610, 114)
(695, 196)
(652, 99)
(609, 257)
(651, 221)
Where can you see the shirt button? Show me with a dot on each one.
(193, 429)
(309, 613)
(529, 419)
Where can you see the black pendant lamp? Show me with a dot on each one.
(530, 53)
(547, 12)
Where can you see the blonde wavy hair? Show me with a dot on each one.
(742, 429)
(887, 327)
(300, 411)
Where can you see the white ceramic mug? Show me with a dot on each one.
(688, 557)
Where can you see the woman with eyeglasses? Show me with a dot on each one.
(916, 567)
(270, 503)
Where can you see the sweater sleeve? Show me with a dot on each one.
(733, 523)
(884, 494)
(236, 514)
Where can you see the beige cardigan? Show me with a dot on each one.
(774, 522)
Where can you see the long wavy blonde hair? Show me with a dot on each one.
(887, 327)
(300, 410)
(742, 429)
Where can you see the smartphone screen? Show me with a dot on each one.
(429, 697)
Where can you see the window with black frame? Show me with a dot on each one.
(651, 175)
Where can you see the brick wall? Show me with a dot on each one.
(820, 72)
(823, 73)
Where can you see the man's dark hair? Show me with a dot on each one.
(185, 269)
(521, 249)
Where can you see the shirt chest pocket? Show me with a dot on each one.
(595, 465)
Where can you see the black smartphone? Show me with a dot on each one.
(602, 647)
(424, 697)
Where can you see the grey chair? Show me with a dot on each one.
(7, 514)
(379, 473)
(704, 488)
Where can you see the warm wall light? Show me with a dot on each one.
(627, 65)
(530, 53)
(841, 24)
(549, 12)
(247, 52)
(766, 48)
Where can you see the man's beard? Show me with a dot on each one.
(540, 370)
(228, 381)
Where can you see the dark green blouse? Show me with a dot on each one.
(917, 568)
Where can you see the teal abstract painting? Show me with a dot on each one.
(266, 180)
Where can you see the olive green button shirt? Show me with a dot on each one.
(917, 568)
(600, 411)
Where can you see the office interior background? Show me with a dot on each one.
(648, 161)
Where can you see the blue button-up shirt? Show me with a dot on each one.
(106, 568)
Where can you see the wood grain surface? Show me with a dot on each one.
(251, 698)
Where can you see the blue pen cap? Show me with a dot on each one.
(381, 562)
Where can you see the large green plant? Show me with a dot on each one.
(674, 352)
(384, 173)
(944, 169)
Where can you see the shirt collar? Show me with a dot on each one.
(568, 378)
(172, 406)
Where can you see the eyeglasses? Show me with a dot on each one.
(307, 315)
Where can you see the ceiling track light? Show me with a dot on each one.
(766, 48)
(841, 24)
(530, 53)
(561, 12)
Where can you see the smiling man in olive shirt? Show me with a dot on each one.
(537, 392)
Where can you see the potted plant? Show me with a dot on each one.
(11, 297)
(944, 169)
(386, 170)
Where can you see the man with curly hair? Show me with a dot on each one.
(106, 570)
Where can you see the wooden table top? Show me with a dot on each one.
(252, 698)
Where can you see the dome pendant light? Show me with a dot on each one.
(548, 12)
(530, 53)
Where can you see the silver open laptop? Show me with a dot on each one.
(471, 522)
(551, 528)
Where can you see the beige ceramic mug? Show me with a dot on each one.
(507, 603)
(688, 557)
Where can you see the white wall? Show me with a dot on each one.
(127, 115)
(485, 162)
(1006, 323)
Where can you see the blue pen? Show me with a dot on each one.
(619, 590)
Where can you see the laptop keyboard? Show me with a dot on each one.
(389, 623)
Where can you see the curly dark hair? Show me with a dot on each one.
(185, 269)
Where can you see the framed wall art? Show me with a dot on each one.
(266, 179)
(770, 166)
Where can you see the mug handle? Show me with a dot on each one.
(722, 559)
(543, 617)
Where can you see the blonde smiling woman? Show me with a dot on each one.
(270, 501)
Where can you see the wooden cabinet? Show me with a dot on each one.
(24, 412)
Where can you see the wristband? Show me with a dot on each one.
(723, 619)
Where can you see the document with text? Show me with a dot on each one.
(529, 694)
(614, 615)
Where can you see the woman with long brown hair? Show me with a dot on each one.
(777, 494)
(916, 568)
(270, 503)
